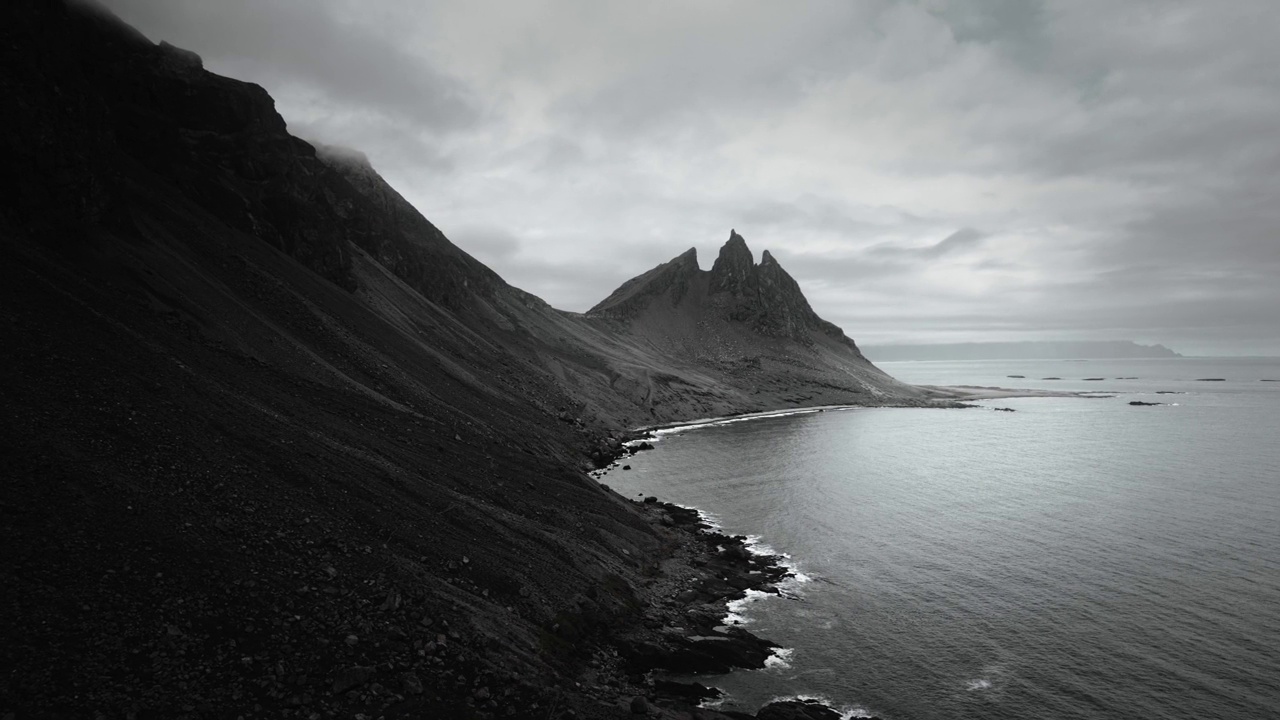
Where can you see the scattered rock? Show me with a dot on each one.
(639, 706)
(352, 677)
(412, 685)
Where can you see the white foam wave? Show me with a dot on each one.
(735, 608)
(715, 702)
(780, 659)
(712, 422)
(847, 712)
(711, 520)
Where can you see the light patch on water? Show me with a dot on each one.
(979, 684)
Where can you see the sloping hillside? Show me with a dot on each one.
(272, 444)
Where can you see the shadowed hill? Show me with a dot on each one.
(269, 436)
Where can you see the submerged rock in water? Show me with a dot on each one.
(1139, 402)
(1211, 379)
(797, 710)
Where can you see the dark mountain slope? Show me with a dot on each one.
(266, 430)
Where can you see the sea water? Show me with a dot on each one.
(1077, 558)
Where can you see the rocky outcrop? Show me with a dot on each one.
(734, 270)
(797, 710)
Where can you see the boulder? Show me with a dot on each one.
(797, 710)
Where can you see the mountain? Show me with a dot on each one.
(1060, 350)
(749, 327)
(271, 439)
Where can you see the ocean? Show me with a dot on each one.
(1077, 558)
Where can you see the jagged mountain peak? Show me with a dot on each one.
(762, 297)
(733, 268)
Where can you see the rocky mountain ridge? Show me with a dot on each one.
(749, 326)
(763, 296)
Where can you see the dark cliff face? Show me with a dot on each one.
(123, 112)
(104, 111)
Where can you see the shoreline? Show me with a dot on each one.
(687, 627)
(687, 632)
(946, 397)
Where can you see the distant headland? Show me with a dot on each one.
(1050, 350)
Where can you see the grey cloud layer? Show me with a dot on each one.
(950, 170)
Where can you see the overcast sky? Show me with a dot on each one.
(932, 171)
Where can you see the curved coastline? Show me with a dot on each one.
(744, 569)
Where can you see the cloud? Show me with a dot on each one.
(343, 66)
(958, 241)
(1118, 156)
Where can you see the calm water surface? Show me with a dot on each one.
(1078, 558)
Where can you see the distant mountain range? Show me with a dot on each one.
(1059, 350)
